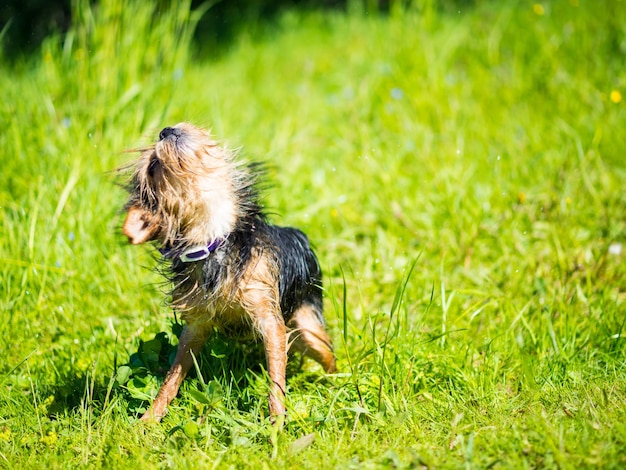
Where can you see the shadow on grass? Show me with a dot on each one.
(222, 360)
(229, 370)
(224, 364)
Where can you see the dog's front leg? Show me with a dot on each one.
(275, 343)
(191, 341)
(260, 299)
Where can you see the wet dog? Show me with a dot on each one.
(230, 269)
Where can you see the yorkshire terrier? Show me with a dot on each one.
(230, 269)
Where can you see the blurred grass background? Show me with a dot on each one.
(459, 167)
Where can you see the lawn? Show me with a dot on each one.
(460, 170)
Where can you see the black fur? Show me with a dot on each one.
(300, 276)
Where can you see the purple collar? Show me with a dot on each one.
(194, 253)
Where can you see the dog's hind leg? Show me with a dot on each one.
(309, 336)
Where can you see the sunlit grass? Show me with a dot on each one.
(460, 172)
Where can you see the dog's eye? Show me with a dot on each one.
(153, 166)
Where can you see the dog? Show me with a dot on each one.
(231, 270)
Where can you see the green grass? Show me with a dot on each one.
(461, 173)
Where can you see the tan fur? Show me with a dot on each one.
(194, 193)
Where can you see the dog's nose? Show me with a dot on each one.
(165, 133)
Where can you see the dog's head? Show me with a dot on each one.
(181, 190)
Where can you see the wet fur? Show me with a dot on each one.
(262, 280)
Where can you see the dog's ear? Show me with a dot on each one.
(140, 226)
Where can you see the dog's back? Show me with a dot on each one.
(301, 277)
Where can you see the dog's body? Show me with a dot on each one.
(230, 269)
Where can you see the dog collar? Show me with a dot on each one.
(194, 253)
